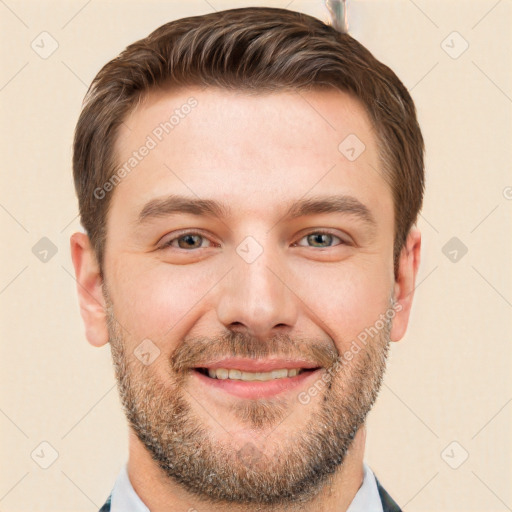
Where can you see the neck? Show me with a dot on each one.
(160, 494)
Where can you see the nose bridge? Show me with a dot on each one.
(255, 293)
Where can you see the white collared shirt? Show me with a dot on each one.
(125, 499)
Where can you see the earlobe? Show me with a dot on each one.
(89, 288)
(405, 283)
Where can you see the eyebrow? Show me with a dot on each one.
(175, 204)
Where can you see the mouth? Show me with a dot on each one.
(238, 374)
(252, 379)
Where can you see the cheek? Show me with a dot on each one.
(155, 302)
(346, 299)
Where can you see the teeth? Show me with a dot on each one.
(223, 373)
(235, 374)
(279, 374)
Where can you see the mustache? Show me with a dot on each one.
(195, 352)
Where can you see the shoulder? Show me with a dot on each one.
(388, 504)
(106, 506)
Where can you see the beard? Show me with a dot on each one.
(274, 470)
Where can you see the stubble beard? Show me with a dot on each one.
(300, 465)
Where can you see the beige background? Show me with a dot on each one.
(448, 381)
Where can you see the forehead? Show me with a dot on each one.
(253, 151)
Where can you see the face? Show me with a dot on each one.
(249, 286)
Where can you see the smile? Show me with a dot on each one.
(235, 374)
(252, 378)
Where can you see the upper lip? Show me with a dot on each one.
(258, 365)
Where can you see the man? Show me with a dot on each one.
(249, 182)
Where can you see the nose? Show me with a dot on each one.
(257, 298)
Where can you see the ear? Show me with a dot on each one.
(405, 283)
(89, 287)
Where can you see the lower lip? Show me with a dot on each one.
(258, 389)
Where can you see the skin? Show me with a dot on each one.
(258, 154)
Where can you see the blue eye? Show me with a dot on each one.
(320, 237)
(193, 240)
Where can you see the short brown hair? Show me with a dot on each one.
(251, 49)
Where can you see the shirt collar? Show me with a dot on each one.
(367, 497)
(125, 499)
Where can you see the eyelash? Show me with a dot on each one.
(167, 244)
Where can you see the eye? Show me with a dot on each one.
(318, 238)
(194, 240)
(188, 240)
